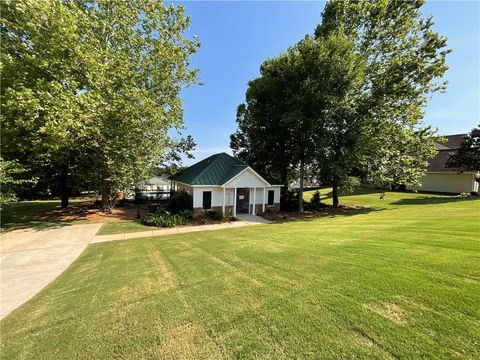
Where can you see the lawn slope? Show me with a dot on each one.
(401, 280)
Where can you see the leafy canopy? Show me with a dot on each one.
(94, 83)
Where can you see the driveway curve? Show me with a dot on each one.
(32, 258)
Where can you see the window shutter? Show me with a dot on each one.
(207, 200)
(271, 195)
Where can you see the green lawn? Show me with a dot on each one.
(401, 280)
(25, 214)
(123, 226)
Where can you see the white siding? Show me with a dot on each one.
(217, 196)
(448, 183)
(247, 179)
(258, 195)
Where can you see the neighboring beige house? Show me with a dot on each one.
(447, 180)
(221, 182)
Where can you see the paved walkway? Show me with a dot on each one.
(243, 220)
(32, 258)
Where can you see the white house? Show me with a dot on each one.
(442, 179)
(221, 182)
(157, 187)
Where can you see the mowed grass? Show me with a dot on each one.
(399, 281)
(123, 226)
(25, 214)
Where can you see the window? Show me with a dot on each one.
(207, 200)
(271, 194)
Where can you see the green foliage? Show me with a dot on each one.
(90, 89)
(468, 156)
(350, 100)
(215, 215)
(180, 201)
(164, 219)
(375, 122)
(187, 214)
(289, 201)
(316, 202)
(128, 203)
(11, 177)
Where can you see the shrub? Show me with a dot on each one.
(315, 202)
(187, 214)
(215, 215)
(153, 208)
(180, 201)
(289, 201)
(164, 219)
(126, 203)
(97, 204)
(140, 197)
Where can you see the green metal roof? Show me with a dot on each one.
(214, 170)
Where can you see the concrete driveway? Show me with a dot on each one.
(32, 258)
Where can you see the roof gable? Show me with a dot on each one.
(248, 178)
(444, 151)
(454, 141)
(214, 170)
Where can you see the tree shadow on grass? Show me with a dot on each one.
(39, 225)
(430, 200)
(328, 213)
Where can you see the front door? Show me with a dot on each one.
(243, 201)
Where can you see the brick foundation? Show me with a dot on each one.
(200, 211)
(229, 209)
(274, 208)
(258, 208)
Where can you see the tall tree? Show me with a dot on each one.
(352, 99)
(138, 61)
(379, 117)
(271, 134)
(467, 157)
(12, 176)
(41, 76)
(92, 83)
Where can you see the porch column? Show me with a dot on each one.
(223, 203)
(235, 203)
(254, 193)
(263, 202)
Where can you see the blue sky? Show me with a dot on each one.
(237, 37)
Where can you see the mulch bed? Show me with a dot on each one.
(85, 211)
(283, 216)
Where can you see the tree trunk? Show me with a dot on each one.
(64, 190)
(65, 202)
(335, 193)
(106, 193)
(300, 191)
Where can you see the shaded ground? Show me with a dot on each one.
(48, 213)
(403, 282)
(346, 210)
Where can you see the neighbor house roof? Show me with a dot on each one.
(214, 170)
(438, 162)
(454, 141)
(154, 181)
